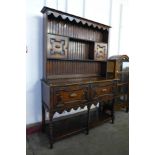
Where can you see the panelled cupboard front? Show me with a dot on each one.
(74, 66)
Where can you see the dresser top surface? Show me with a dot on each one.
(77, 81)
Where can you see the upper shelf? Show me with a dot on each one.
(66, 16)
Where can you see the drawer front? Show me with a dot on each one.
(70, 97)
(102, 90)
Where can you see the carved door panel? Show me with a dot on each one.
(100, 51)
(57, 46)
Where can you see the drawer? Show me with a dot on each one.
(71, 96)
(101, 90)
(105, 97)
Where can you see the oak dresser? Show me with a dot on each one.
(74, 66)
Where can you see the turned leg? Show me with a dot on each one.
(112, 111)
(43, 117)
(51, 130)
(87, 128)
(127, 108)
(101, 110)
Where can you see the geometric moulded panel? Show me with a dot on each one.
(57, 46)
(100, 51)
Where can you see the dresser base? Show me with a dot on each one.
(73, 124)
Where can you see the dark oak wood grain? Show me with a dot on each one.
(75, 67)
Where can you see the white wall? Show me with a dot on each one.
(118, 31)
(33, 60)
(104, 11)
(97, 10)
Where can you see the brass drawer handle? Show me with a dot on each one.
(104, 89)
(73, 95)
(57, 46)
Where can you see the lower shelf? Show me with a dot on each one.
(76, 123)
